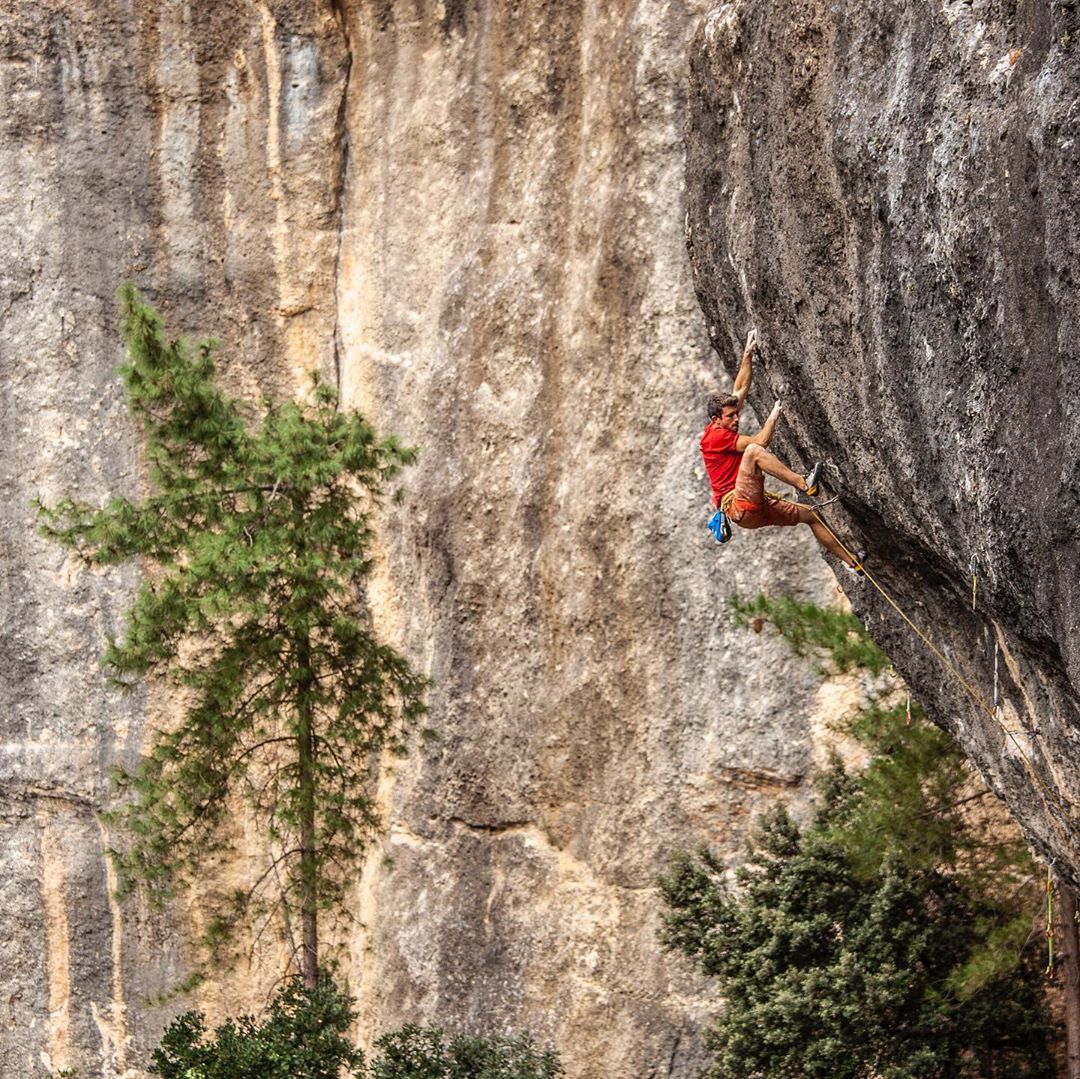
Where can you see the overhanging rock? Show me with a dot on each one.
(889, 193)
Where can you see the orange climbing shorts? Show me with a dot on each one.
(751, 507)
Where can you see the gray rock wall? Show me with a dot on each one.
(889, 192)
(471, 216)
(197, 150)
(515, 299)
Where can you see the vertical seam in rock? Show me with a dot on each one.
(57, 944)
(274, 165)
(341, 180)
(114, 1028)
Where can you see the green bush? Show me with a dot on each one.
(427, 1053)
(891, 936)
(831, 973)
(305, 1037)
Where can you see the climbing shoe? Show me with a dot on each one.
(812, 478)
(857, 570)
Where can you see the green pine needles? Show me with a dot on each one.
(814, 631)
(892, 935)
(305, 1036)
(256, 535)
(829, 973)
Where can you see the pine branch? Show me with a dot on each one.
(255, 530)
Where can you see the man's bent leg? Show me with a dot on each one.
(759, 458)
(824, 536)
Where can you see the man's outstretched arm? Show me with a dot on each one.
(746, 369)
(764, 436)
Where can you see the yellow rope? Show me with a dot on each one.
(991, 712)
(975, 695)
(1049, 972)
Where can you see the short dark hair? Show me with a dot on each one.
(719, 401)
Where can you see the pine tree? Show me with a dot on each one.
(256, 536)
(827, 973)
(892, 935)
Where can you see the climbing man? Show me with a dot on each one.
(738, 464)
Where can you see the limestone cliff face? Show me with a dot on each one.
(198, 150)
(889, 192)
(471, 215)
(514, 297)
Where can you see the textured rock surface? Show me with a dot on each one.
(472, 214)
(514, 297)
(890, 192)
(197, 149)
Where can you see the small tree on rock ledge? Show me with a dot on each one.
(257, 534)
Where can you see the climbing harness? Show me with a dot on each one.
(720, 523)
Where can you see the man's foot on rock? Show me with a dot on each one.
(857, 569)
(812, 477)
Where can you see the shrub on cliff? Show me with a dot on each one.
(428, 1053)
(891, 936)
(304, 1036)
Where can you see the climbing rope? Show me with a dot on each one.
(975, 695)
(950, 667)
(1049, 972)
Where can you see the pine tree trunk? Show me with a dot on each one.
(1068, 960)
(309, 880)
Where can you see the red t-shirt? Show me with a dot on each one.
(722, 460)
